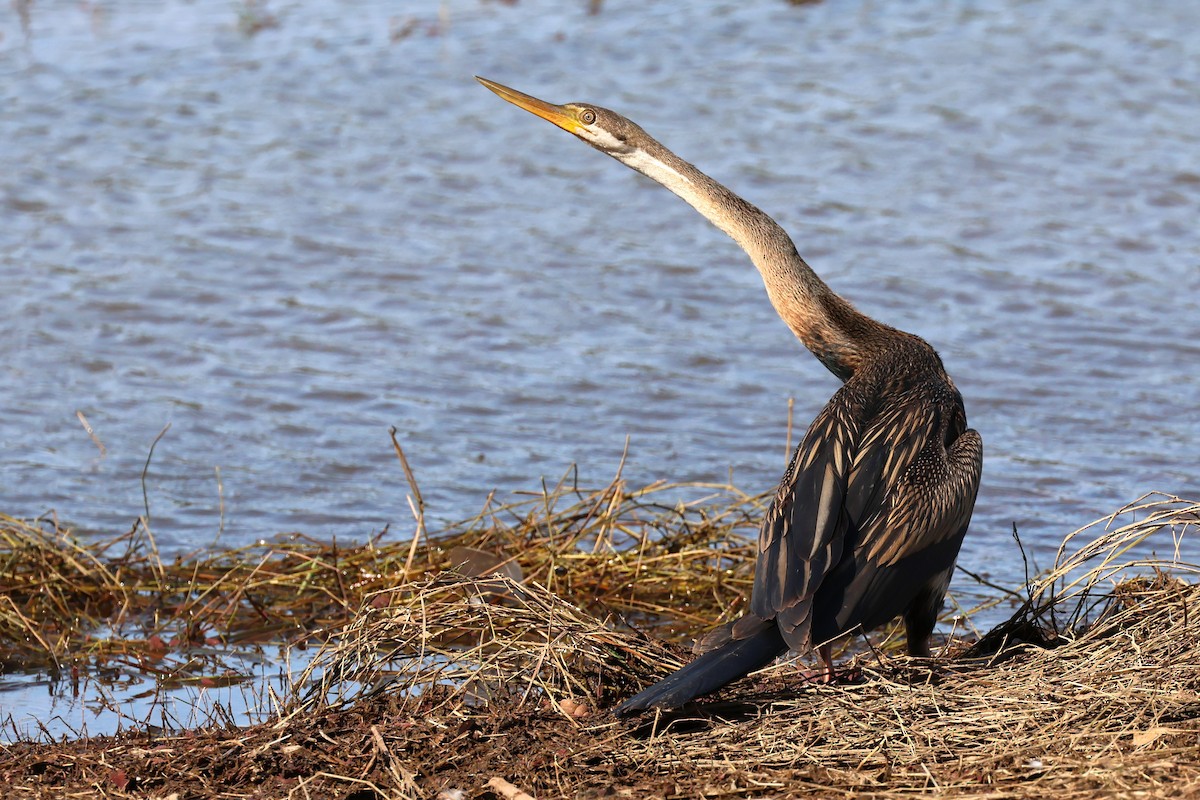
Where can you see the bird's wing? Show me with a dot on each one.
(803, 532)
(908, 491)
(882, 484)
(911, 514)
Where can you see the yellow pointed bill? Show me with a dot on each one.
(561, 116)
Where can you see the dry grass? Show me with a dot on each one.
(440, 681)
(1107, 700)
(175, 618)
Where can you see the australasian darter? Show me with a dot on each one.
(867, 522)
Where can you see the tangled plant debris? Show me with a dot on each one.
(482, 662)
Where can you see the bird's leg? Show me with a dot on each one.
(825, 651)
(919, 647)
(919, 620)
(826, 674)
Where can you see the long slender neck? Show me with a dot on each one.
(837, 334)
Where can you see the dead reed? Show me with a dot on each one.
(480, 663)
(1092, 685)
(674, 556)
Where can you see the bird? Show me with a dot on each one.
(869, 517)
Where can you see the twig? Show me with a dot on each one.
(220, 506)
(419, 509)
(985, 582)
(787, 448)
(91, 433)
(507, 790)
(146, 469)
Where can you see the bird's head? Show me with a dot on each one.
(605, 130)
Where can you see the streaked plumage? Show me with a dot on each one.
(869, 517)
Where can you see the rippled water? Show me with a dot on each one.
(282, 243)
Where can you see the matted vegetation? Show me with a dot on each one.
(483, 685)
(667, 562)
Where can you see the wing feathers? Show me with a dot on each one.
(870, 483)
(932, 501)
(802, 534)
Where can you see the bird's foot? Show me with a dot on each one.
(820, 676)
(832, 677)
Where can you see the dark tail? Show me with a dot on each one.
(710, 671)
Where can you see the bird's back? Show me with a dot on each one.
(872, 510)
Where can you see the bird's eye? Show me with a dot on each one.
(587, 116)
